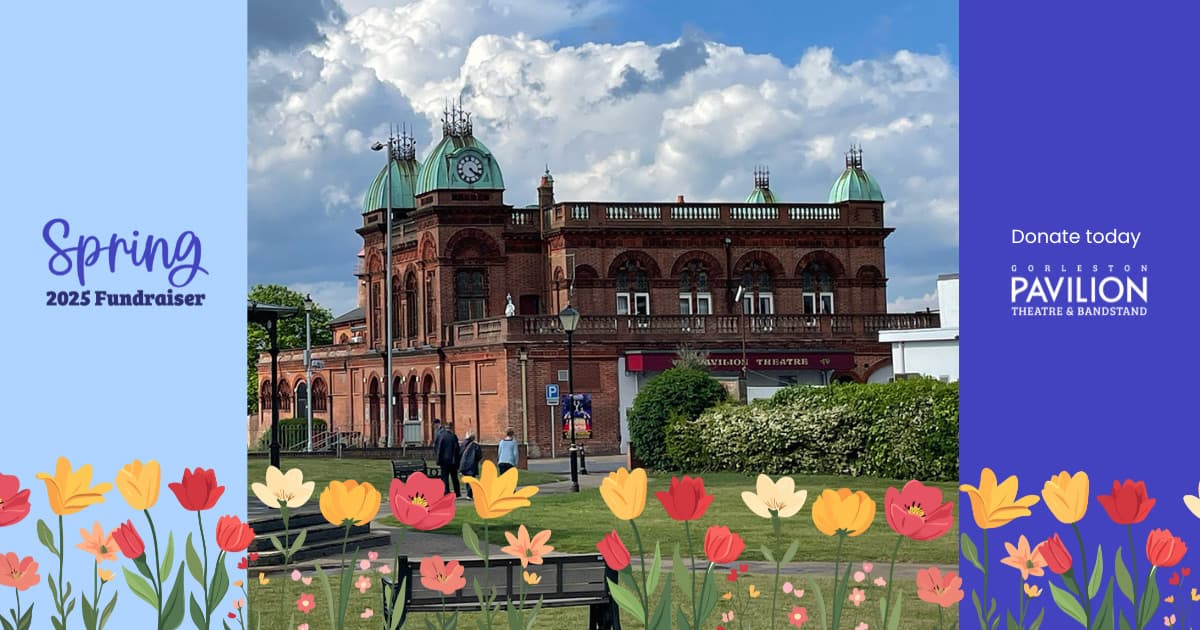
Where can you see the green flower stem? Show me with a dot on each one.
(204, 582)
(1133, 560)
(1083, 594)
(95, 585)
(891, 572)
(837, 581)
(157, 573)
(1021, 599)
(940, 623)
(644, 590)
(287, 557)
(778, 566)
(341, 619)
(984, 617)
(487, 576)
(687, 530)
(62, 542)
(18, 592)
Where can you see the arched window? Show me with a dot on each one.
(410, 305)
(429, 307)
(344, 338)
(396, 308)
(633, 289)
(694, 295)
(264, 396)
(320, 395)
(301, 400)
(758, 289)
(817, 285)
(376, 312)
(285, 396)
(470, 294)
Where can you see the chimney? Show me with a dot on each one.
(546, 190)
(679, 199)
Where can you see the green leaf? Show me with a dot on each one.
(820, 602)
(532, 616)
(626, 599)
(1012, 622)
(164, 570)
(89, 615)
(1037, 623)
(143, 567)
(140, 587)
(172, 613)
(220, 584)
(1104, 618)
(275, 542)
(1124, 582)
(708, 598)
(471, 539)
(1123, 623)
(661, 620)
(194, 609)
(770, 557)
(112, 604)
(7, 624)
(298, 543)
(46, 536)
(655, 570)
(514, 617)
(26, 620)
(894, 622)
(683, 622)
(970, 552)
(791, 552)
(1097, 574)
(681, 574)
(398, 609)
(1068, 604)
(1150, 601)
(328, 590)
(194, 565)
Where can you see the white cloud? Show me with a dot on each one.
(909, 305)
(625, 121)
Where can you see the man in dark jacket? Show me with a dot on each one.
(445, 446)
(472, 454)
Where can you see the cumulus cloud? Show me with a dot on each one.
(628, 121)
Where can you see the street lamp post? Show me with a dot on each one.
(308, 305)
(387, 289)
(569, 318)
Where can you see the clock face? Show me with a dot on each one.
(470, 168)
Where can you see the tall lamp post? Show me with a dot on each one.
(569, 318)
(308, 305)
(387, 289)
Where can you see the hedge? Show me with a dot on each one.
(902, 430)
(679, 391)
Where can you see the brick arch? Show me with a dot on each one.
(585, 272)
(766, 258)
(831, 262)
(869, 272)
(375, 263)
(846, 377)
(648, 263)
(875, 367)
(714, 267)
(428, 382)
(559, 274)
(428, 248)
(470, 243)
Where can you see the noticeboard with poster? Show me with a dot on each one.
(732, 385)
(577, 408)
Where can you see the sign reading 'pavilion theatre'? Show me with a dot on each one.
(727, 361)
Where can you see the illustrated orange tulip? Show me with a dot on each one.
(625, 493)
(72, 491)
(1067, 496)
(344, 502)
(995, 505)
(843, 511)
(139, 483)
(496, 495)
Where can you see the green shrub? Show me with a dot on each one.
(678, 391)
(685, 445)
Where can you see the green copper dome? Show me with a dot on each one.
(762, 187)
(459, 162)
(855, 184)
(403, 180)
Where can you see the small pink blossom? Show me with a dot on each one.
(861, 626)
(867, 566)
(367, 614)
(306, 580)
(880, 582)
(385, 569)
(727, 617)
(372, 556)
(302, 626)
(364, 564)
(859, 576)
(295, 575)
(857, 597)
(362, 583)
(787, 587)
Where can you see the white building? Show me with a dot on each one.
(930, 351)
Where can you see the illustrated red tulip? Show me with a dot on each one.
(616, 555)
(233, 535)
(130, 542)
(1164, 550)
(14, 502)
(198, 491)
(1128, 504)
(917, 511)
(1055, 553)
(722, 546)
(686, 499)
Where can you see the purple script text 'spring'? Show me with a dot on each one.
(183, 259)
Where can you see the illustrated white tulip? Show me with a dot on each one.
(284, 489)
(780, 496)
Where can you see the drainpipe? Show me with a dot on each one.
(523, 356)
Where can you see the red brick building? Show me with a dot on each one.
(477, 285)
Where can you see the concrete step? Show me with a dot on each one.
(329, 549)
(317, 532)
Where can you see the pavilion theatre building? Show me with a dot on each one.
(773, 293)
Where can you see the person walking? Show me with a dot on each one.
(445, 446)
(507, 453)
(472, 455)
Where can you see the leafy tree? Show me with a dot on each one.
(290, 333)
(679, 391)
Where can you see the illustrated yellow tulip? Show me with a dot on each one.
(139, 483)
(349, 501)
(71, 491)
(284, 489)
(1067, 496)
(625, 493)
(994, 505)
(843, 511)
(778, 496)
(496, 495)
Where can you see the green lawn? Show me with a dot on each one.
(325, 469)
(915, 614)
(580, 520)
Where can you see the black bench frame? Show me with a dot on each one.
(402, 468)
(604, 613)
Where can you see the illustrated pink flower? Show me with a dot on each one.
(445, 578)
(868, 567)
(372, 556)
(307, 603)
(14, 502)
(917, 511)
(933, 587)
(798, 617)
(19, 573)
(421, 503)
(364, 564)
(296, 575)
(859, 576)
(857, 597)
(362, 583)
(367, 613)
(385, 569)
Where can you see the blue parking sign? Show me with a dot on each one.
(552, 395)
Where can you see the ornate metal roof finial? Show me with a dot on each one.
(762, 176)
(407, 149)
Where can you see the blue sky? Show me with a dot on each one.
(626, 101)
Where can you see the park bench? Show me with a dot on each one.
(402, 468)
(567, 580)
